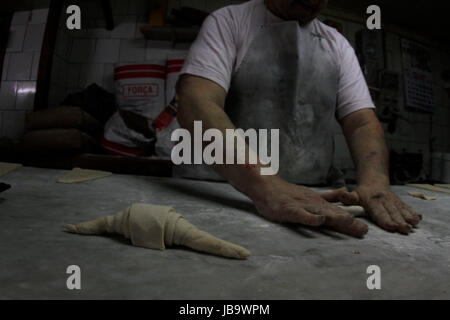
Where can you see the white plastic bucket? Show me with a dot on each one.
(140, 87)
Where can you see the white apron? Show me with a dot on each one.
(288, 80)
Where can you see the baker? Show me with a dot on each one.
(272, 65)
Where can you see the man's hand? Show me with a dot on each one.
(280, 201)
(365, 137)
(383, 206)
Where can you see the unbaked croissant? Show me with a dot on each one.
(156, 227)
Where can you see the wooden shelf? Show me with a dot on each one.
(175, 34)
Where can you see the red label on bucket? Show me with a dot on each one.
(139, 90)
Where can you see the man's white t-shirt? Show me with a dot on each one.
(227, 33)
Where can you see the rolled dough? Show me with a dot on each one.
(420, 195)
(356, 211)
(80, 175)
(156, 227)
(428, 187)
(6, 167)
(446, 186)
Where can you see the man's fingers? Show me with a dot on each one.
(357, 229)
(415, 216)
(302, 216)
(382, 217)
(350, 198)
(410, 217)
(341, 195)
(333, 195)
(337, 217)
(397, 217)
(334, 215)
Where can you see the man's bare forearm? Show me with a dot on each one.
(244, 177)
(366, 140)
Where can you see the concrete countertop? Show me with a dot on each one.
(286, 262)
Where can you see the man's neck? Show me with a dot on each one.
(272, 8)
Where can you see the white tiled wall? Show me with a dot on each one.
(93, 51)
(20, 70)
